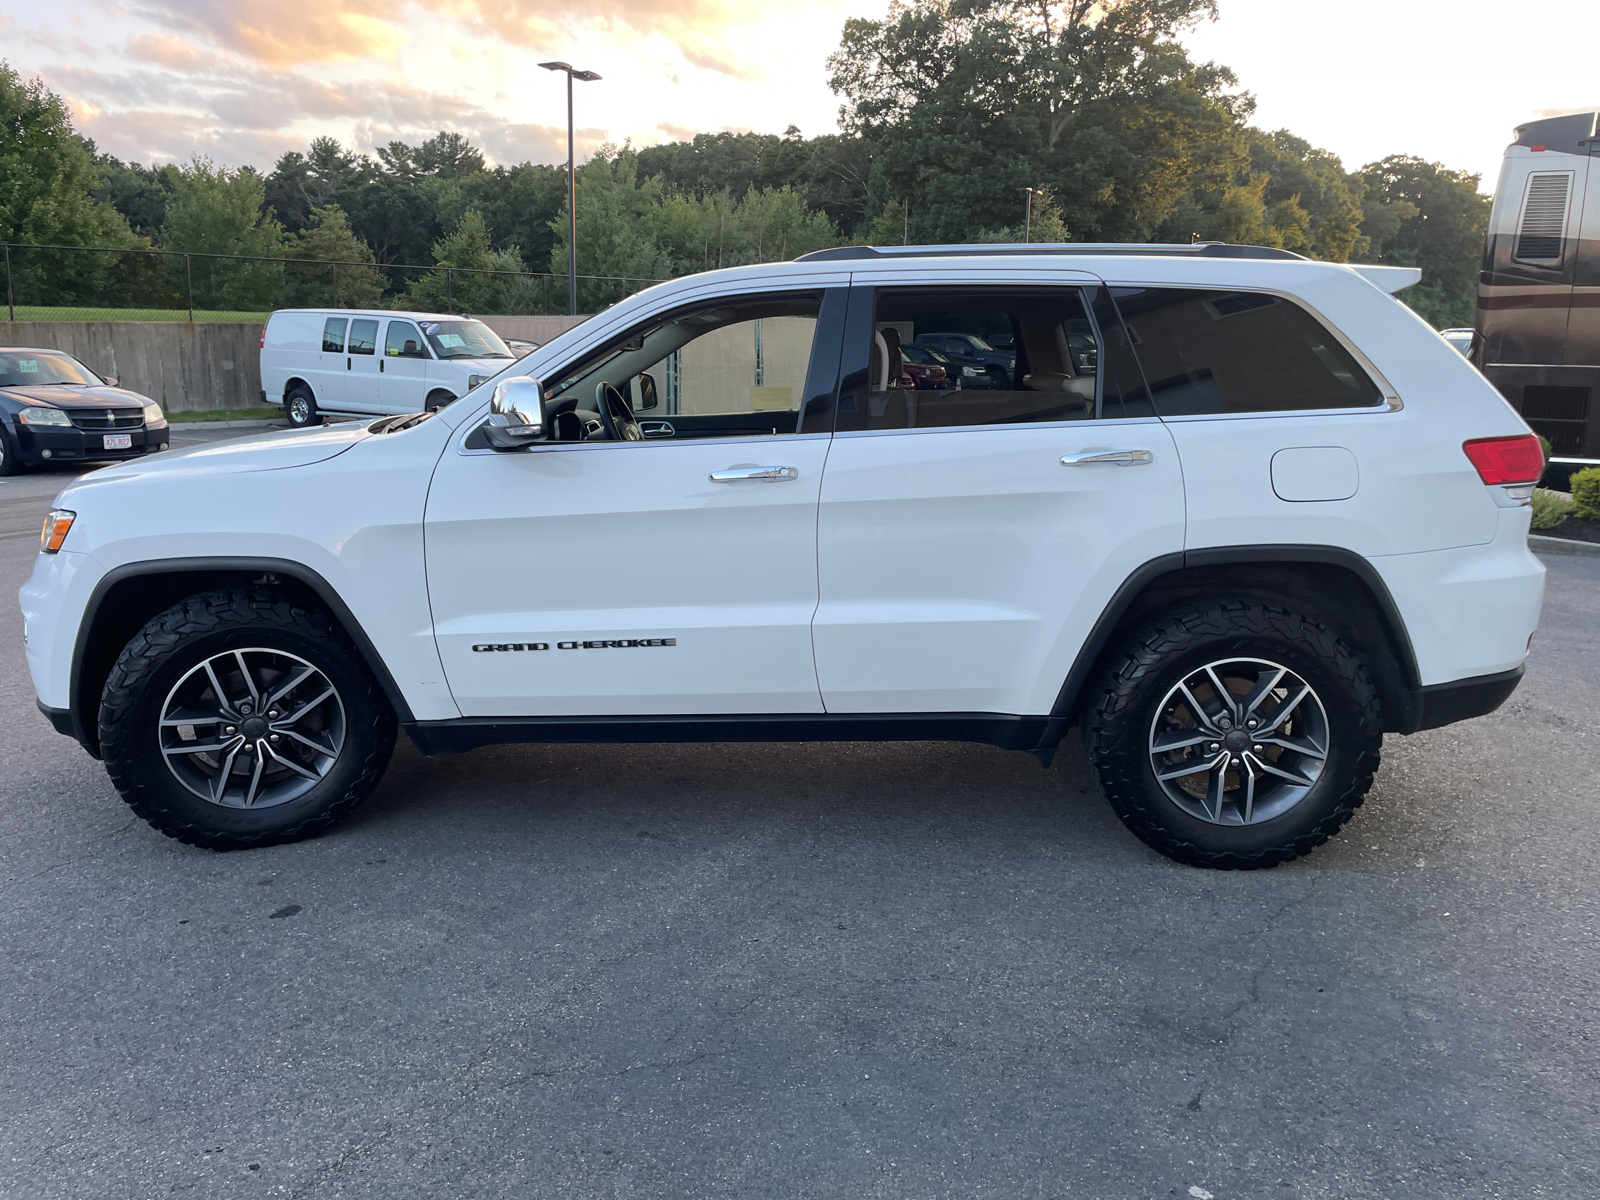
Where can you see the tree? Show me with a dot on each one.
(1423, 214)
(47, 180)
(467, 250)
(328, 239)
(219, 211)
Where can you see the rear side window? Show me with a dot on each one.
(363, 337)
(1046, 374)
(333, 335)
(1238, 352)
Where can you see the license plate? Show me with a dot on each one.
(119, 441)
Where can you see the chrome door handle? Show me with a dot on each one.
(1112, 458)
(759, 474)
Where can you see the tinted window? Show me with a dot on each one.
(333, 335)
(1048, 374)
(363, 337)
(404, 341)
(1238, 352)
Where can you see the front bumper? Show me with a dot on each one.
(39, 444)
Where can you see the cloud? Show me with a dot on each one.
(287, 33)
(173, 52)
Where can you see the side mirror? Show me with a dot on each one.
(645, 390)
(111, 381)
(516, 413)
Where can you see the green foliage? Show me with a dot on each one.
(1430, 217)
(47, 175)
(1549, 508)
(216, 210)
(328, 239)
(1585, 488)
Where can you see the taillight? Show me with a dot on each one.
(263, 339)
(1507, 459)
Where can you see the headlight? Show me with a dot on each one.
(56, 526)
(44, 416)
(1011, 364)
(153, 414)
(972, 371)
(474, 381)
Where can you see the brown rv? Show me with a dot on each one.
(1538, 325)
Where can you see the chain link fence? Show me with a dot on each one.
(82, 283)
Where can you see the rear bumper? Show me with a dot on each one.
(1461, 699)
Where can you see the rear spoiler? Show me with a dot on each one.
(1390, 279)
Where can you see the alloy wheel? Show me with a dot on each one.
(252, 728)
(1239, 741)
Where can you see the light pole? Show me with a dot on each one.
(1027, 221)
(572, 182)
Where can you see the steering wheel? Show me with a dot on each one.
(621, 426)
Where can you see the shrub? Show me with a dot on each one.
(1549, 508)
(1585, 489)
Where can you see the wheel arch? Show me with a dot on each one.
(295, 381)
(1334, 584)
(128, 596)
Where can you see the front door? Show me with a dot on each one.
(403, 384)
(968, 540)
(670, 575)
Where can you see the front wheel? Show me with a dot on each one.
(241, 718)
(1234, 734)
(10, 464)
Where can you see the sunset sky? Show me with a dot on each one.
(243, 80)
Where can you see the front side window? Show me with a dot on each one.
(744, 359)
(404, 341)
(1047, 373)
(333, 335)
(363, 337)
(465, 339)
(34, 368)
(1206, 352)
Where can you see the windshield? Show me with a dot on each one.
(464, 339)
(33, 369)
(978, 343)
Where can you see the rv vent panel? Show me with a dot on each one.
(1544, 218)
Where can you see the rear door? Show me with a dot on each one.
(329, 384)
(969, 540)
(361, 367)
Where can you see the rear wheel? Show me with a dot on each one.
(437, 400)
(240, 718)
(1234, 734)
(301, 407)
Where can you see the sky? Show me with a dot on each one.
(242, 81)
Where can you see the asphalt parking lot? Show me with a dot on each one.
(900, 970)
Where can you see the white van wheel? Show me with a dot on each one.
(301, 407)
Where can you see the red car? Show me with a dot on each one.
(922, 367)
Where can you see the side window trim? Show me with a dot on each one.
(1391, 398)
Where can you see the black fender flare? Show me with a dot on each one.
(79, 722)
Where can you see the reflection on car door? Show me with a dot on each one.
(648, 588)
(361, 367)
(403, 378)
(961, 567)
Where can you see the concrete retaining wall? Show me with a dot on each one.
(187, 368)
(201, 367)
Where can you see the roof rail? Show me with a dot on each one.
(1145, 249)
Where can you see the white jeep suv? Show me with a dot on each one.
(1237, 515)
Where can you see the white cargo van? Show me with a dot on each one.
(361, 362)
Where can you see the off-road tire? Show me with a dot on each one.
(292, 410)
(186, 634)
(1122, 705)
